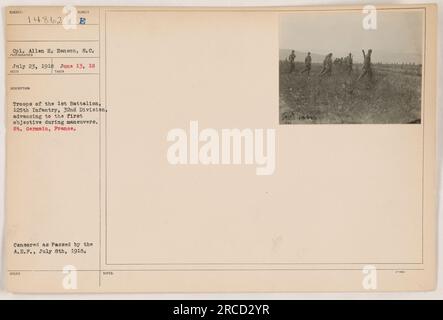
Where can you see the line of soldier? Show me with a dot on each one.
(327, 64)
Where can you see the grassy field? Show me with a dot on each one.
(393, 96)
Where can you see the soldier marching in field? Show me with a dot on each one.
(308, 61)
(291, 59)
(327, 66)
(367, 66)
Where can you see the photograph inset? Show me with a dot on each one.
(333, 70)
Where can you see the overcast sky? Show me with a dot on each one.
(398, 38)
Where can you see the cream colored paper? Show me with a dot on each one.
(97, 207)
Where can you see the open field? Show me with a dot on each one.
(393, 96)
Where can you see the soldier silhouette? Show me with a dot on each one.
(327, 66)
(291, 59)
(349, 63)
(367, 65)
(308, 61)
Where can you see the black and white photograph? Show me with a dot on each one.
(351, 67)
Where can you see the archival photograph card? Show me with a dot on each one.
(254, 149)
